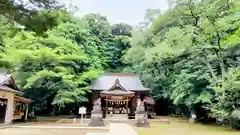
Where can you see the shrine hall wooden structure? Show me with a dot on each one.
(119, 93)
(12, 105)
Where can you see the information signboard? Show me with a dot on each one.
(82, 110)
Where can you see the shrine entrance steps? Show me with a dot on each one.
(117, 118)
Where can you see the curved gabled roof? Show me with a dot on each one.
(128, 81)
(6, 78)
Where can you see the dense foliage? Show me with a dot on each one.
(55, 68)
(26, 12)
(189, 55)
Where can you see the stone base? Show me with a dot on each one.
(140, 115)
(96, 122)
(96, 114)
(192, 120)
(96, 119)
(142, 123)
(141, 119)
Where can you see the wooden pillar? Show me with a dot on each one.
(147, 108)
(9, 110)
(127, 105)
(153, 108)
(106, 107)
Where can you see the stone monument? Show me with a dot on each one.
(193, 118)
(141, 115)
(96, 114)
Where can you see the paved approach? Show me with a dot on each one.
(114, 129)
(118, 129)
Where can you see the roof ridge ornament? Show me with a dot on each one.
(117, 85)
(117, 82)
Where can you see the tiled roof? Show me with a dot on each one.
(4, 77)
(128, 81)
(149, 100)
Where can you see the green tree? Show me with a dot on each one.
(26, 13)
(55, 68)
(121, 29)
(186, 53)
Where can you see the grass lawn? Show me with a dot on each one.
(184, 128)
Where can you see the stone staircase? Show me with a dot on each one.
(117, 118)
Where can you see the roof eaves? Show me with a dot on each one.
(127, 89)
(25, 99)
(117, 93)
(5, 88)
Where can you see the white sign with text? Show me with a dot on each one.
(82, 110)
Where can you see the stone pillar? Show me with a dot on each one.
(26, 112)
(193, 117)
(133, 105)
(96, 114)
(141, 115)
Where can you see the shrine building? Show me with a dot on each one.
(12, 105)
(119, 93)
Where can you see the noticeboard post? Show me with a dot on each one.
(82, 110)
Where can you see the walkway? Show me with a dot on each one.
(114, 129)
(58, 127)
(118, 129)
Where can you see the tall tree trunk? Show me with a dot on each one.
(209, 66)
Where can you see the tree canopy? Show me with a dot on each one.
(55, 67)
(188, 55)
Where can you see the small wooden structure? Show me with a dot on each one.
(119, 93)
(12, 105)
